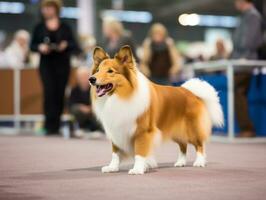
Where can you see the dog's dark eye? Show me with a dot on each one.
(110, 71)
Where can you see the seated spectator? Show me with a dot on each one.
(221, 52)
(160, 58)
(15, 55)
(80, 106)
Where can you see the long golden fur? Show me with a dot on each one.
(175, 113)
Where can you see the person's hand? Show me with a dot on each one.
(85, 109)
(44, 48)
(62, 46)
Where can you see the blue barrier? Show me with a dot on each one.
(256, 101)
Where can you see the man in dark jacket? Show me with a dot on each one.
(246, 41)
(248, 35)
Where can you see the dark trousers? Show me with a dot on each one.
(85, 120)
(54, 80)
(242, 81)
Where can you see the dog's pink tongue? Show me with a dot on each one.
(100, 92)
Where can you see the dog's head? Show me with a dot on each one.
(111, 75)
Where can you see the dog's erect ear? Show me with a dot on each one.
(125, 56)
(98, 56)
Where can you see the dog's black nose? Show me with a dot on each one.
(92, 80)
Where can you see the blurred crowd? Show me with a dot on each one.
(53, 47)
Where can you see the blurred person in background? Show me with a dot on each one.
(16, 54)
(55, 42)
(221, 52)
(2, 40)
(248, 35)
(115, 36)
(160, 59)
(80, 105)
(87, 43)
(262, 48)
(246, 40)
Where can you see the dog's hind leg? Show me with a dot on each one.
(202, 130)
(201, 156)
(181, 160)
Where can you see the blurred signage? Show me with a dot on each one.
(128, 15)
(11, 7)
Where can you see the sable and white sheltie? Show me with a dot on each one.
(136, 113)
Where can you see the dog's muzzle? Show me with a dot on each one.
(92, 80)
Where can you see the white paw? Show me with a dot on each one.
(151, 163)
(180, 163)
(109, 169)
(200, 161)
(140, 166)
(136, 171)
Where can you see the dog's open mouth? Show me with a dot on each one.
(101, 90)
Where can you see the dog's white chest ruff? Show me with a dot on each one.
(118, 116)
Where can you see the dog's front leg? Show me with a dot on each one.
(115, 161)
(142, 147)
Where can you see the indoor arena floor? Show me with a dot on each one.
(37, 168)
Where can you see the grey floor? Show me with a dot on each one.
(53, 168)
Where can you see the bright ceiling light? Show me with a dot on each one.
(208, 20)
(183, 19)
(189, 19)
(193, 19)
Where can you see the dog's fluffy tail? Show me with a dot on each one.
(209, 95)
